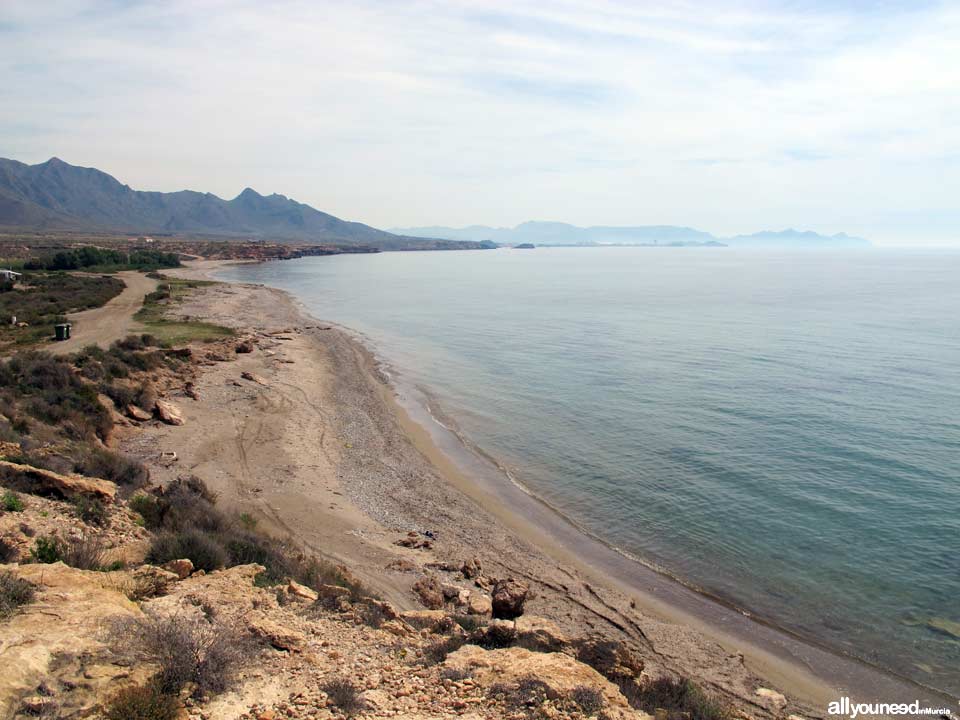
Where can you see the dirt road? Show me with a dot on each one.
(102, 325)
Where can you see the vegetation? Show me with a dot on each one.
(177, 332)
(91, 510)
(14, 592)
(192, 527)
(84, 553)
(43, 300)
(680, 697)
(47, 550)
(344, 695)
(11, 502)
(95, 259)
(193, 649)
(142, 703)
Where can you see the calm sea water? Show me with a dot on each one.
(782, 430)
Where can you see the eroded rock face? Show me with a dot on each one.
(537, 633)
(67, 618)
(559, 672)
(613, 658)
(169, 413)
(430, 592)
(508, 598)
(68, 487)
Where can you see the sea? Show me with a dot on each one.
(778, 429)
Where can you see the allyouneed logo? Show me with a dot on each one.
(844, 706)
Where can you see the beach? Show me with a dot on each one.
(321, 448)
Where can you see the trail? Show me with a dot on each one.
(112, 321)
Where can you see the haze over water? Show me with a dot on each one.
(780, 429)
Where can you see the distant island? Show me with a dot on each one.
(564, 234)
(58, 196)
(524, 246)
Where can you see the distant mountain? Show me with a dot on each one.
(58, 196)
(556, 233)
(797, 239)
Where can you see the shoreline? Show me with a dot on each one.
(812, 674)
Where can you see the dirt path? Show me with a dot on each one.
(102, 325)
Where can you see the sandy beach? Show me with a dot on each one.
(320, 447)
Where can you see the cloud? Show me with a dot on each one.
(821, 115)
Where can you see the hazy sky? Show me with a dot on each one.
(729, 117)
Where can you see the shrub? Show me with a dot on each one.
(7, 552)
(11, 502)
(149, 509)
(47, 549)
(588, 699)
(84, 553)
(344, 694)
(187, 649)
(102, 463)
(203, 550)
(91, 510)
(142, 703)
(14, 592)
(681, 698)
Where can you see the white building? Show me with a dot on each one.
(9, 275)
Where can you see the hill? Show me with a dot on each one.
(55, 195)
(556, 233)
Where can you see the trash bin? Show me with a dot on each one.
(62, 331)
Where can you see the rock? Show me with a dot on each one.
(508, 598)
(169, 413)
(244, 347)
(395, 627)
(329, 592)
(611, 658)
(150, 581)
(772, 695)
(279, 636)
(537, 633)
(68, 487)
(400, 565)
(415, 541)
(138, 413)
(450, 592)
(181, 568)
(67, 619)
(471, 568)
(944, 627)
(479, 604)
(499, 633)
(302, 592)
(253, 378)
(510, 666)
(429, 592)
(435, 621)
(190, 390)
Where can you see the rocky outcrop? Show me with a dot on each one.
(181, 568)
(169, 413)
(508, 598)
(537, 633)
(560, 673)
(43, 482)
(429, 591)
(67, 619)
(137, 413)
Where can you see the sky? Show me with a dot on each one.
(725, 116)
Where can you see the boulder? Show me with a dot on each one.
(537, 633)
(182, 568)
(138, 413)
(429, 592)
(244, 346)
(471, 568)
(253, 378)
(279, 636)
(511, 666)
(508, 598)
(435, 621)
(68, 487)
(479, 604)
(169, 413)
(302, 592)
(612, 658)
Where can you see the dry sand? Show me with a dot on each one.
(323, 452)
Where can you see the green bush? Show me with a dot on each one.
(680, 697)
(11, 502)
(142, 703)
(14, 592)
(343, 694)
(103, 463)
(149, 509)
(47, 549)
(203, 550)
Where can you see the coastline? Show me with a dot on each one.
(582, 581)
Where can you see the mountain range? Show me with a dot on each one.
(55, 195)
(557, 233)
